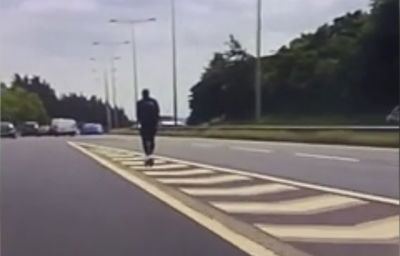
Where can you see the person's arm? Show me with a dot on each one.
(138, 112)
(157, 110)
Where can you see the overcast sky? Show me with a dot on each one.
(52, 39)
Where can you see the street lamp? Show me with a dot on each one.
(114, 90)
(132, 24)
(113, 85)
(174, 72)
(106, 98)
(258, 99)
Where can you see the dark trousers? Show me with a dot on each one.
(148, 139)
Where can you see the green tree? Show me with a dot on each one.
(18, 105)
(347, 66)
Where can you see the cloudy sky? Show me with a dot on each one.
(52, 38)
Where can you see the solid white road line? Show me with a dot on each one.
(207, 180)
(255, 150)
(236, 239)
(338, 158)
(382, 230)
(266, 177)
(240, 191)
(179, 173)
(308, 205)
(204, 145)
(286, 144)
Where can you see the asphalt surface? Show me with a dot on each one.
(362, 169)
(304, 218)
(56, 201)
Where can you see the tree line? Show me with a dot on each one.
(33, 99)
(349, 66)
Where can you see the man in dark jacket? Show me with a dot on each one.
(148, 115)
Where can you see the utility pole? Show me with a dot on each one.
(107, 101)
(258, 91)
(114, 93)
(174, 72)
(113, 84)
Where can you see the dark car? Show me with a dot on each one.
(92, 128)
(29, 129)
(8, 130)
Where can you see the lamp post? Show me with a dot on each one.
(106, 98)
(114, 91)
(174, 71)
(258, 96)
(132, 24)
(112, 45)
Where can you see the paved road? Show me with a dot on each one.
(368, 170)
(284, 217)
(56, 201)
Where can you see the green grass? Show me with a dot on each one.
(285, 119)
(361, 138)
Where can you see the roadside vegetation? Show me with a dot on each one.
(33, 99)
(346, 68)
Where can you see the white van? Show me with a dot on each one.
(63, 126)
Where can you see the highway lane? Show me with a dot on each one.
(363, 169)
(56, 201)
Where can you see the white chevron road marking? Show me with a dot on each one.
(208, 180)
(240, 191)
(308, 205)
(383, 230)
(179, 173)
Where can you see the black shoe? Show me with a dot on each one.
(151, 162)
(147, 162)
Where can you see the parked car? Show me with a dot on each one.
(29, 128)
(394, 116)
(92, 128)
(63, 126)
(44, 130)
(8, 130)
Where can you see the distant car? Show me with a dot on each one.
(394, 116)
(92, 128)
(63, 126)
(29, 128)
(44, 130)
(171, 123)
(8, 130)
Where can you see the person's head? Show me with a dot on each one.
(145, 94)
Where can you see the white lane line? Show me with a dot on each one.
(208, 180)
(288, 144)
(240, 241)
(374, 231)
(251, 190)
(255, 150)
(338, 158)
(270, 178)
(204, 145)
(308, 205)
(179, 173)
